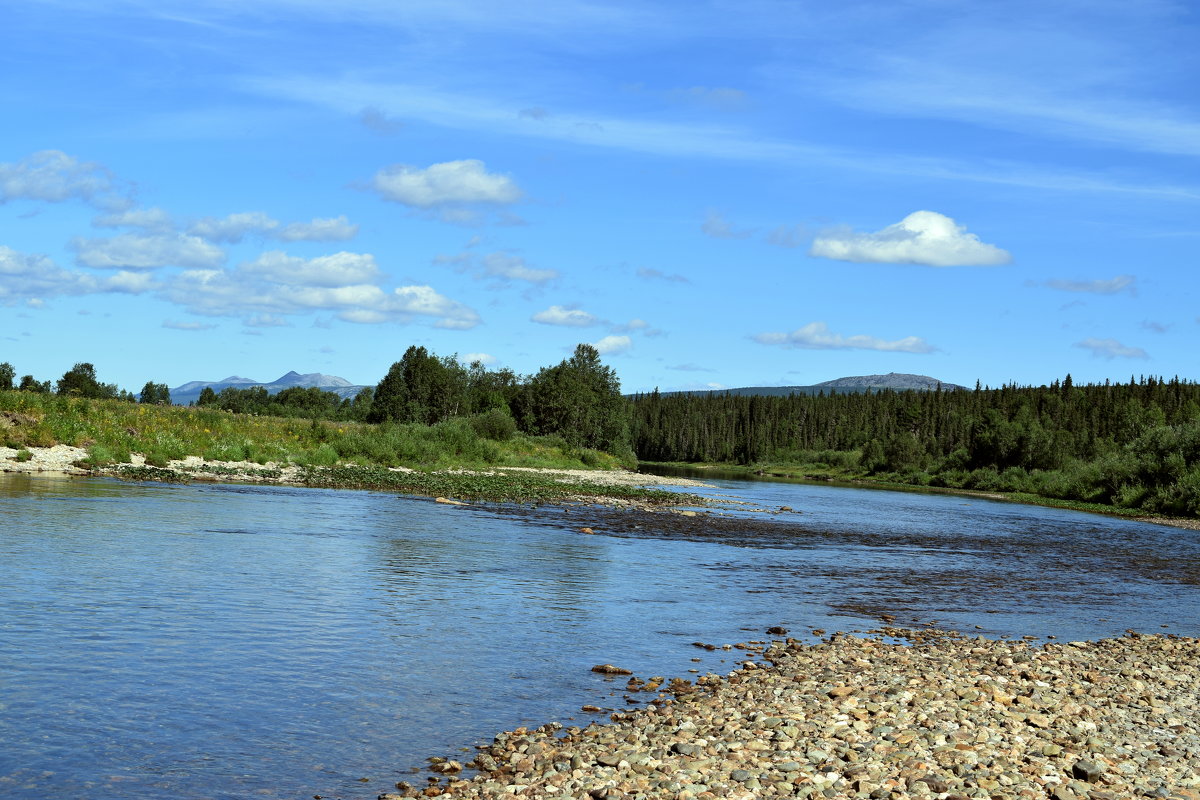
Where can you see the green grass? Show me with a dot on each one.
(112, 430)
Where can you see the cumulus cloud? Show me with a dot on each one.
(140, 251)
(339, 269)
(510, 267)
(923, 237)
(718, 227)
(333, 229)
(1115, 285)
(1109, 349)
(613, 345)
(266, 291)
(236, 227)
(486, 359)
(129, 282)
(26, 277)
(817, 336)
(153, 220)
(567, 317)
(53, 176)
(233, 228)
(465, 182)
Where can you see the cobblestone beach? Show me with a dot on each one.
(940, 717)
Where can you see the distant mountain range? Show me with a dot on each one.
(899, 381)
(896, 381)
(189, 393)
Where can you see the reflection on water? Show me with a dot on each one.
(229, 641)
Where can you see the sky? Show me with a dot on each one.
(713, 194)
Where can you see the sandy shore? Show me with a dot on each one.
(853, 717)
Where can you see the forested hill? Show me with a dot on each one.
(897, 381)
(1135, 444)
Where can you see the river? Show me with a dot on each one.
(225, 641)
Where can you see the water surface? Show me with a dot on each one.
(214, 641)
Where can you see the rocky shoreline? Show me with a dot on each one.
(941, 716)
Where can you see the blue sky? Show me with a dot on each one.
(712, 193)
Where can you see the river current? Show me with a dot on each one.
(225, 641)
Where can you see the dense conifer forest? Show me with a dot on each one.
(1134, 445)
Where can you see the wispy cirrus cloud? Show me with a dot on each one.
(1121, 283)
(817, 336)
(1109, 349)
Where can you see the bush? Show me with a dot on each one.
(23, 455)
(496, 424)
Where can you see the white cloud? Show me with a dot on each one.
(1110, 348)
(486, 359)
(1111, 286)
(510, 267)
(28, 277)
(130, 282)
(339, 269)
(718, 227)
(263, 297)
(448, 183)
(136, 251)
(425, 301)
(567, 317)
(923, 237)
(188, 326)
(817, 336)
(333, 229)
(613, 345)
(235, 227)
(154, 220)
(54, 176)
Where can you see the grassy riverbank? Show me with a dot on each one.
(112, 430)
(464, 458)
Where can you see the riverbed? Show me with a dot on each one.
(223, 641)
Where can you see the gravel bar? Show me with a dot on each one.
(940, 716)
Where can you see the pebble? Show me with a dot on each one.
(942, 717)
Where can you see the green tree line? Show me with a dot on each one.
(578, 399)
(1135, 445)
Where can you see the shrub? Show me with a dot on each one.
(496, 424)
(23, 455)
